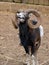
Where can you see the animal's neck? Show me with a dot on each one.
(23, 28)
(23, 25)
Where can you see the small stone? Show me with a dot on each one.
(45, 14)
(2, 38)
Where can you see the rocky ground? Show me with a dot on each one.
(11, 53)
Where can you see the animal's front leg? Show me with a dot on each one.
(28, 57)
(34, 60)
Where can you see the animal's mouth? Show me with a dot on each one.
(22, 20)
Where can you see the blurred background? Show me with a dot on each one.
(41, 2)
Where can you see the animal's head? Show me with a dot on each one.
(23, 16)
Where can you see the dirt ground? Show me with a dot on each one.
(11, 53)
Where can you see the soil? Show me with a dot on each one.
(11, 53)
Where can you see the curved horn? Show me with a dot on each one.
(14, 21)
(37, 14)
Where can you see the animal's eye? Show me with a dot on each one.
(34, 22)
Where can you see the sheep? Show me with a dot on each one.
(30, 33)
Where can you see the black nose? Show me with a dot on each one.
(34, 22)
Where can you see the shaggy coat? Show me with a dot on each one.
(29, 37)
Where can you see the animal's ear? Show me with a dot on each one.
(17, 13)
